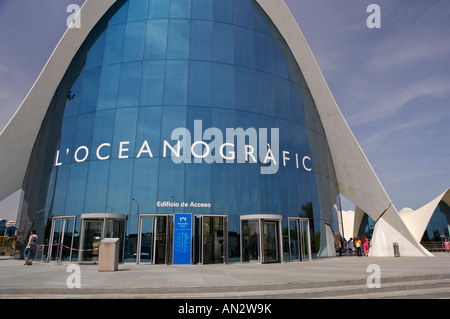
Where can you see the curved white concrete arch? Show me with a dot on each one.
(356, 178)
(417, 220)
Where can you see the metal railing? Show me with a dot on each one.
(436, 246)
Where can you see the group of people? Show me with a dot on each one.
(354, 244)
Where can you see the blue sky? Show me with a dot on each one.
(392, 84)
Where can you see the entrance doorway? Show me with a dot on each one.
(261, 238)
(299, 239)
(155, 239)
(61, 239)
(95, 227)
(211, 239)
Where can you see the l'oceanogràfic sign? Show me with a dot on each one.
(237, 145)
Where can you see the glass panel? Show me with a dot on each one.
(121, 15)
(134, 41)
(67, 136)
(124, 133)
(263, 56)
(270, 241)
(97, 186)
(83, 136)
(173, 117)
(270, 193)
(57, 233)
(130, 82)
(156, 39)
(223, 10)
(247, 188)
(178, 39)
(146, 255)
(200, 83)
(95, 54)
(245, 98)
(167, 190)
(120, 183)
(223, 85)
(197, 185)
(243, 13)
(265, 93)
(202, 9)
(138, 10)
(76, 188)
(244, 53)
(280, 66)
(303, 235)
(60, 191)
(201, 40)
(89, 93)
(223, 43)
(213, 240)
(114, 228)
(67, 241)
(109, 86)
(114, 44)
(198, 240)
(161, 233)
(145, 187)
(294, 240)
(176, 83)
(282, 98)
(103, 133)
(74, 98)
(180, 9)
(250, 244)
(158, 9)
(152, 83)
(223, 188)
(148, 130)
(91, 240)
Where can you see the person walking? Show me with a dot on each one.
(447, 246)
(30, 250)
(350, 246)
(366, 246)
(358, 246)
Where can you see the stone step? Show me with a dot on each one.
(412, 287)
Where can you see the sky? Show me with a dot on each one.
(391, 83)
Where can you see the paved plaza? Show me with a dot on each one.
(239, 280)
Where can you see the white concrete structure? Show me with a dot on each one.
(18, 137)
(356, 179)
(417, 220)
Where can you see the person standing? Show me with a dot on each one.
(447, 246)
(30, 250)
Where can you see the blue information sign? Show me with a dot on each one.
(182, 239)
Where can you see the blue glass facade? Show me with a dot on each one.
(438, 227)
(151, 66)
